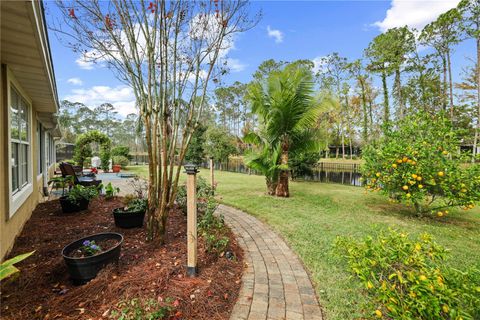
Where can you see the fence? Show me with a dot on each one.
(329, 172)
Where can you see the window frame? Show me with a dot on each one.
(17, 199)
(40, 135)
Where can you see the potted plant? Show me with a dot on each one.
(85, 257)
(132, 214)
(78, 198)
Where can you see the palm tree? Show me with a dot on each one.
(287, 113)
(264, 159)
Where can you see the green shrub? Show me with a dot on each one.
(407, 277)
(212, 228)
(204, 191)
(121, 160)
(142, 309)
(79, 192)
(111, 191)
(121, 151)
(69, 161)
(419, 164)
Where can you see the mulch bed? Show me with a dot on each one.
(146, 270)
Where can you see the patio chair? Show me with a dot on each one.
(68, 170)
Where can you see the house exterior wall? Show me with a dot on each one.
(11, 223)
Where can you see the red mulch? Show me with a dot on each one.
(146, 270)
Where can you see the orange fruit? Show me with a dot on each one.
(419, 178)
(441, 173)
(420, 186)
(414, 176)
(394, 165)
(405, 188)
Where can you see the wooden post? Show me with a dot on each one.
(191, 171)
(212, 176)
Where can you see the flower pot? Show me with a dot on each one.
(83, 269)
(116, 168)
(128, 219)
(68, 206)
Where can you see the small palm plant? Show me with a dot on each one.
(288, 114)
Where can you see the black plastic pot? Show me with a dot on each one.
(84, 269)
(68, 206)
(128, 219)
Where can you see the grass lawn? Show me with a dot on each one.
(317, 213)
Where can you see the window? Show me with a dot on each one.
(50, 150)
(41, 147)
(20, 141)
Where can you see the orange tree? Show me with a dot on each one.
(419, 163)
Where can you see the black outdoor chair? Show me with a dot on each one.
(68, 170)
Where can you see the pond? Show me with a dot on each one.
(328, 172)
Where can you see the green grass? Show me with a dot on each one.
(317, 213)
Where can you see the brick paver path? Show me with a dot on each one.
(275, 284)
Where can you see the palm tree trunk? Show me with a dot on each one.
(282, 187)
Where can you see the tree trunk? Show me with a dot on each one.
(365, 116)
(343, 144)
(282, 187)
(450, 84)
(398, 89)
(445, 98)
(386, 107)
(351, 148)
(271, 187)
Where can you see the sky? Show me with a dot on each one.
(288, 30)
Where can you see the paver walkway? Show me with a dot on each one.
(275, 284)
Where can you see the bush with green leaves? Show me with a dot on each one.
(110, 191)
(121, 160)
(195, 152)
(79, 192)
(142, 309)
(419, 163)
(212, 228)
(302, 163)
(204, 191)
(83, 149)
(407, 278)
(123, 151)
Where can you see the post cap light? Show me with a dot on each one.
(190, 168)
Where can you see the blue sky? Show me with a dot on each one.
(289, 30)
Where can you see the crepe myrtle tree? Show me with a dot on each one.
(167, 52)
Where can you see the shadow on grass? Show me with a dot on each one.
(403, 212)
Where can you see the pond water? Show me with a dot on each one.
(328, 172)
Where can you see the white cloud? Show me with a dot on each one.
(235, 65)
(276, 34)
(121, 97)
(84, 64)
(75, 81)
(414, 13)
